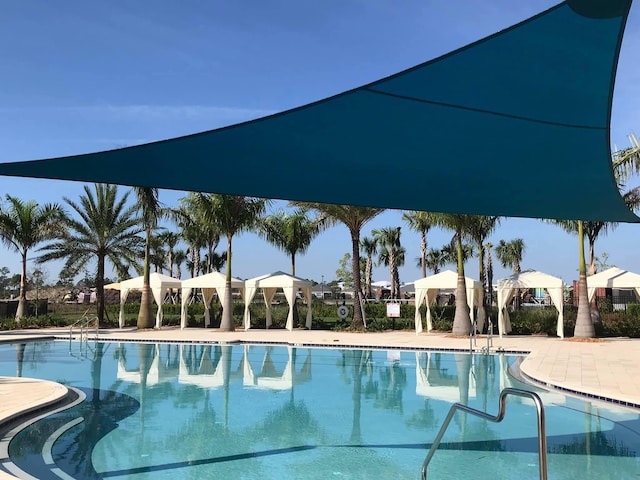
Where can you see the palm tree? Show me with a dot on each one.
(354, 218)
(389, 257)
(291, 232)
(510, 253)
(390, 252)
(231, 214)
(23, 225)
(460, 224)
(214, 262)
(436, 260)
(170, 240)
(106, 229)
(624, 163)
(192, 230)
(369, 247)
(450, 252)
(480, 227)
(421, 222)
(150, 207)
(157, 253)
(179, 257)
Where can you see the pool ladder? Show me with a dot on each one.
(473, 342)
(542, 435)
(85, 324)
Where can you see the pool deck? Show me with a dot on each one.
(608, 369)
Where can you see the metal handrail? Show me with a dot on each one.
(84, 323)
(542, 435)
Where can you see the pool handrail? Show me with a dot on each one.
(84, 323)
(542, 435)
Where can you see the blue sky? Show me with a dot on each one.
(80, 77)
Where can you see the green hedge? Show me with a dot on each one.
(528, 321)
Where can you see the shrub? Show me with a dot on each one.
(538, 320)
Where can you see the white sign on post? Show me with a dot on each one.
(393, 310)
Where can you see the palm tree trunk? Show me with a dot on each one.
(226, 324)
(593, 306)
(100, 290)
(481, 309)
(369, 274)
(145, 317)
(423, 253)
(461, 320)
(22, 296)
(294, 307)
(358, 321)
(584, 325)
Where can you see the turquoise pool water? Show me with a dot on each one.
(167, 411)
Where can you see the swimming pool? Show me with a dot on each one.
(273, 412)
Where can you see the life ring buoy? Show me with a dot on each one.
(343, 311)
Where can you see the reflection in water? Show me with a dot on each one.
(19, 358)
(198, 411)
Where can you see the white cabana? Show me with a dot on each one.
(613, 277)
(209, 284)
(509, 286)
(269, 284)
(429, 287)
(159, 284)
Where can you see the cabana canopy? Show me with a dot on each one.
(508, 287)
(269, 284)
(209, 284)
(159, 284)
(542, 88)
(429, 287)
(613, 277)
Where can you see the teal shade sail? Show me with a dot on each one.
(516, 124)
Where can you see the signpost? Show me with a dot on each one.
(393, 311)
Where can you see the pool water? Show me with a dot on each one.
(167, 411)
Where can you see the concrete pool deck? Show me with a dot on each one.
(608, 369)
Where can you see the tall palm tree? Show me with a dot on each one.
(393, 256)
(389, 240)
(192, 230)
(23, 225)
(624, 163)
(199, 233)
(291, 232)
(460, 224)
(232, 214)
(106, 229)
(354, 218)
(479, 228)
(369, 247)
(149, 204)
(510, 253)
(421, 222)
